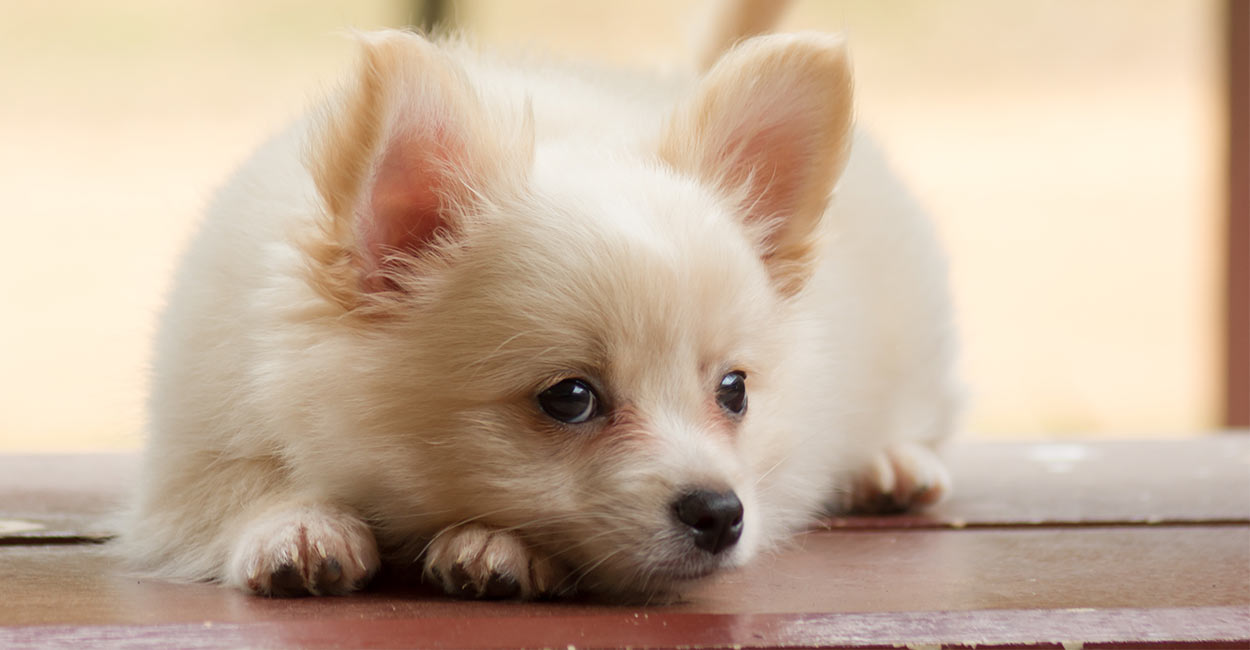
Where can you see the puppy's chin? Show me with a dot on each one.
(658, 578)
(659, 586)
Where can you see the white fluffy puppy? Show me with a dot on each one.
(545, 331)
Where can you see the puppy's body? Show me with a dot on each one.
(353, 360)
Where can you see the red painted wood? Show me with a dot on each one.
(1196, 480)
(826, 572)
(1107, 482)
(64, 497)
(1223, 627)
(1042, 544)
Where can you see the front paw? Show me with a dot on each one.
(304, 550)
(900, 477)
(475, 561)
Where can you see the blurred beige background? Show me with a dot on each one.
(1070, 152)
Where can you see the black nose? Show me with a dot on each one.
(715, 518)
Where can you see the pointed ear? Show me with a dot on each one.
(770, 126)
(401, 160)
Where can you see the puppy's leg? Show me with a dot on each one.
(901, 476)
(297, 548)
(476, 561)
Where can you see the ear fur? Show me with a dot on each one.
(401, 161)
(770, 126)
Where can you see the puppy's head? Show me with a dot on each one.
(581, 345)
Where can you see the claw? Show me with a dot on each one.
(500, 586)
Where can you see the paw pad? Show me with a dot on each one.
(901, 477)
(304, 551)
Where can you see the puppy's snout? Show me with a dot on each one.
(714, 518)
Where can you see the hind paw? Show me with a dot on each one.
(900, 477)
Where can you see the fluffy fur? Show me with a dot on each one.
(348, 368)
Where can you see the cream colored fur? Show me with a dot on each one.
(347, 369)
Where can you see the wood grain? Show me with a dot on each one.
(1146, 544)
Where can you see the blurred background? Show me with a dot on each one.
(1072, 153)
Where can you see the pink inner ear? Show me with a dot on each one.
(776, 159)
(405, 203)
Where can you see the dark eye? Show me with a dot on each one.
(732, 392)
(572, 401)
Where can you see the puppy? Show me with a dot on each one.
(544, 331)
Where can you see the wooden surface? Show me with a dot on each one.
(1043, 545)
